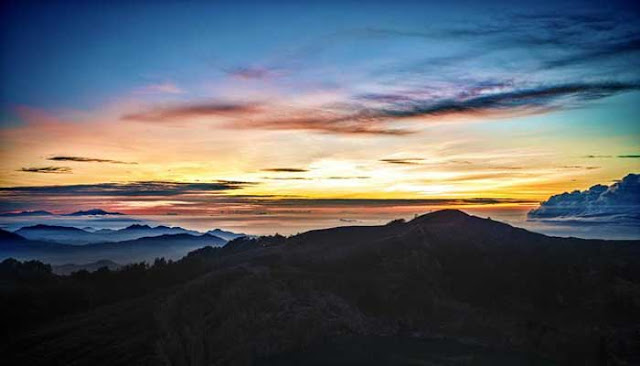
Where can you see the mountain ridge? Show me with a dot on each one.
(444, 275)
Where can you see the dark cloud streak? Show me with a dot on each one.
(285, 170)
(192, 110)
(88, 160)
(48, 170)
(148, 188)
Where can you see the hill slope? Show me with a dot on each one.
(479, 287)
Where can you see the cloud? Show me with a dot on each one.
(287, 178)
(405, 161)
(629, 156)
(373, 202)
(192, 110)
(285, 170)
(615, 203)
(580, 167)
(87, 160)
(144, 188)
(48, 170)
(475, 100)
(349, 122)
(534, 43)
(161, 88)
(348, 177)
(606, 51)
(569, 39)
(255, 73)
(531, 100)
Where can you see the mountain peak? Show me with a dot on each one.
(137, 227)
(93, 212)
(443, 215)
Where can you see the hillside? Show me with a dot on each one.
(445, 288)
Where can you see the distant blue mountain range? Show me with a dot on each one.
(91, 212)
(26, 213)
(75, 236)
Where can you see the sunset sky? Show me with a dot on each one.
(261, 107)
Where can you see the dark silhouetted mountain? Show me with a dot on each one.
(92, 212)
(67, 269)
(445, 288)
(7, 236)
(227, 235)
(26, 213)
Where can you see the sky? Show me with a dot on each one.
(236, 109)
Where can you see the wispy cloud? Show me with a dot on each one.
(87, 160)
(575, 39)
(352, 118)
(161, 88)
(285, 170)
(404, 161)
(530, 100)
(255, 73)
(580, 167)
(148, 188)
(192, 110)
(48, 170)
(626, 156)
(286, 178)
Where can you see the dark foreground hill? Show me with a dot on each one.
(443, 289)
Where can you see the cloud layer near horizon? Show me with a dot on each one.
(618, 202)
(205, 198)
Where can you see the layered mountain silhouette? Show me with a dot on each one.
(26, 213)
(93, 212)
(445, 288)
(134, 243)
(227, 235)
(75, 236)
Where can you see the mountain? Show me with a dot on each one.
(170, 246)
(12, 243)
(227, 235)
(92, 212)
(26, 213)
(67, 269)
(445, 288)
(75, 236)
(7, 236)
(57, 234)
(137, 231)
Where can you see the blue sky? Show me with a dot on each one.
(79, 54)
(508, 102)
